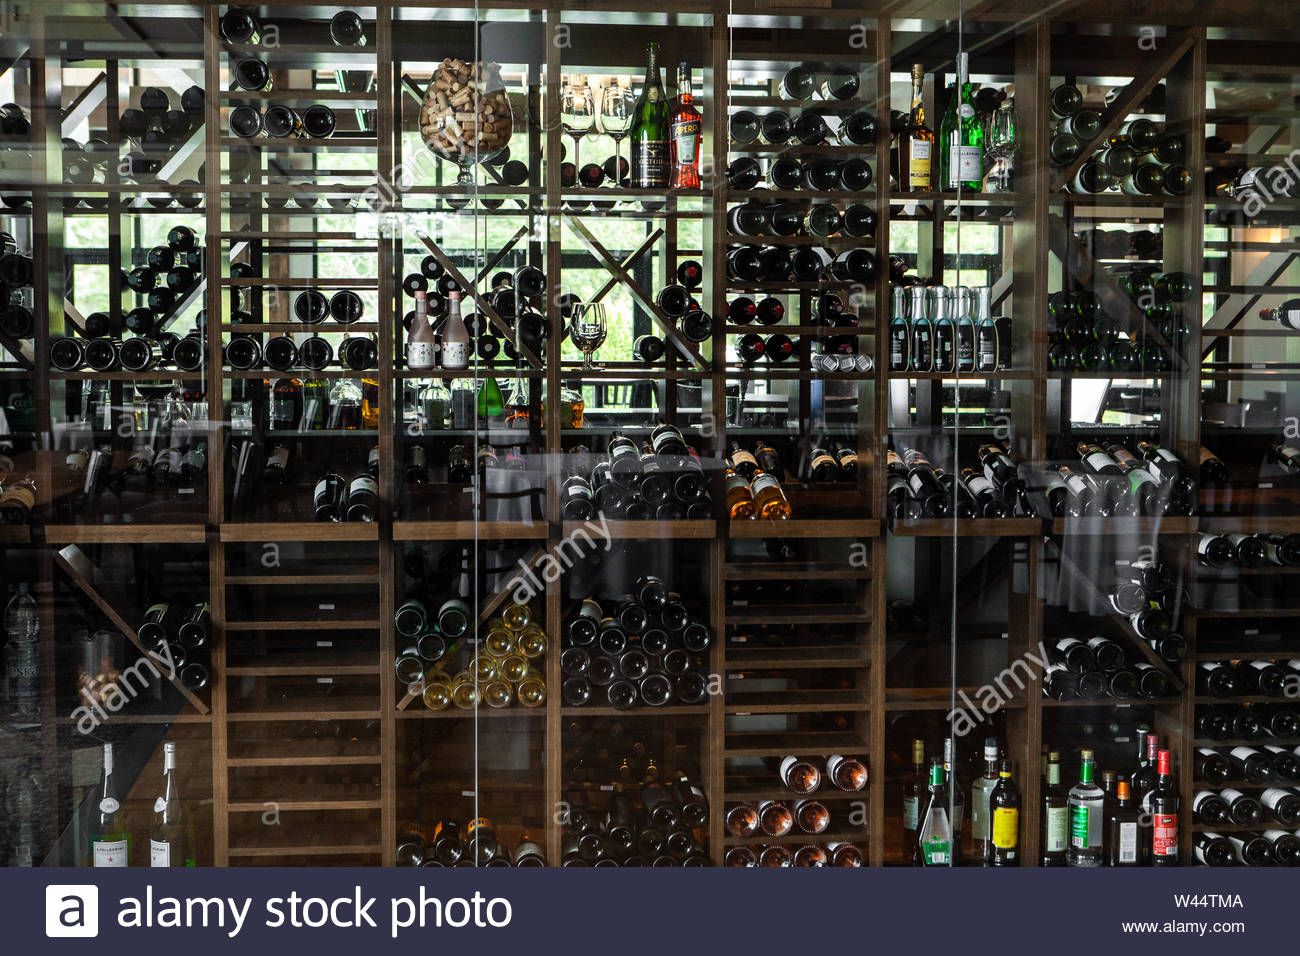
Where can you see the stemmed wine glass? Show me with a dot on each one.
(577, 113)
(616, 115)
(587, 329)
(1002, 140)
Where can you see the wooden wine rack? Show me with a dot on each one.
(358, 817)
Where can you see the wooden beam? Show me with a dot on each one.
(1129, 98)
(642, 297)
(75, 565)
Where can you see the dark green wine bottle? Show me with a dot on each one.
(650, 129)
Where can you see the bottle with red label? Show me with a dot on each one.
(1164, 815)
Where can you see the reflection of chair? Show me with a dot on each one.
(639, 394)
(612, 394)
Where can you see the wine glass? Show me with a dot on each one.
(1003, 142)
(616, 115)
(577, 113)
(587, 329)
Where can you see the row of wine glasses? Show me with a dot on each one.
(607, 107)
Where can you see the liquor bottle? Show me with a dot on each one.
(1123, 845)
(109, 843)
(958, 798)
(916, 141)
(684, 134)
(934, 835)
(650, 129)
(455, 335)
(1005, 819)
(1055, 822)
(171, 841)
(1085, 816)
(961, 137)
(981, 842)
(913, 790)
(1164, 803)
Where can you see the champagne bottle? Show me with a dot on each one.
(649, 134)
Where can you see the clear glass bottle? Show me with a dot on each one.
(345, 405)
(434, 405)
(109, 843)
(171, 841)
(1086, 816)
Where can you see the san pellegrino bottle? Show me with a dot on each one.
(171, 841)
(961, 137)
(1085, 816)
(110, 844)
(934, 840)
(649, 136)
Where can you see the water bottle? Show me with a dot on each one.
(23, 805)
(22, 654)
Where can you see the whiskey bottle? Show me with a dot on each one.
(916, 141)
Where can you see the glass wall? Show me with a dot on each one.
(488, 435)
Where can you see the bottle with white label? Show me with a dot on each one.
(171, 840)
(421, 346)
(1123, 847)
(455, 336)
(110, 844)
(981, 833)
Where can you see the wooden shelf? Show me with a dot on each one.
(371, 710)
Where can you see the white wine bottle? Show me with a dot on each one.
(171, 840)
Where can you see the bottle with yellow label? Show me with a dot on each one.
(1004, 802)
(740, 497)
(769, 499)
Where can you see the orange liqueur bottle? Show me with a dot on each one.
(684, 134)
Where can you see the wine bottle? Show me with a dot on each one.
(649, 135)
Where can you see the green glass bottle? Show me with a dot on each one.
(961, 137)
(491, 404)
(650, 159)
